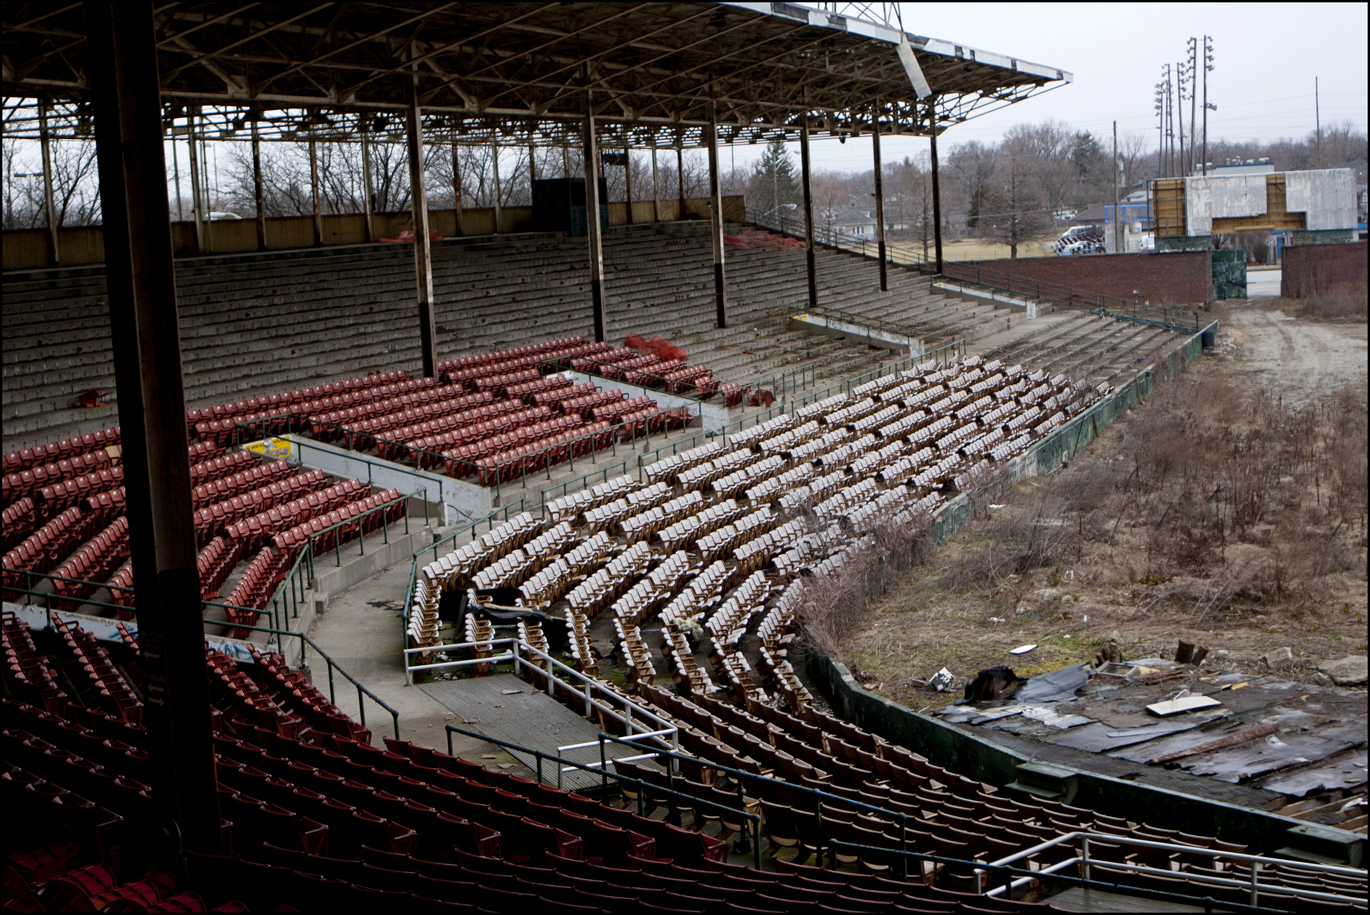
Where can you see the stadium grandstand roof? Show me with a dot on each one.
(521, 71)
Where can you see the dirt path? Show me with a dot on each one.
(1295, 357)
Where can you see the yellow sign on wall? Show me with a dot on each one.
(272, 447)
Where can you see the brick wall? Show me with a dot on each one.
(1310, 269)
(1179, 278)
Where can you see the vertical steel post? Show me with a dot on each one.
(423, 263)
(1117, 213)
(716, 220)
(656, 190)
(532, 157)
(197, 210)
(456, 189)
(49, 207)
(680, 178)
(257, 186)
(808, 209)
(593, 229)
(494, 166)
(936, 183)
(314, 189)
(879, 198)
(628, 180)
(368, 201)
(121, 62)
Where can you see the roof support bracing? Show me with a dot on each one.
(656, 67)
(423, 261)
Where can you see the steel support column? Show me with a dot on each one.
(716, 219)
(656, 190)
(49, 207)
(314, 189)
(593, 229)
(121, 63)
(936, 183)
(423, 263)
(368, 195)
(257, 186)
(456, 188)
(197, 210)
(680, 179)
(628, 181)
(494, 168)
(808, 210)
(879, 198)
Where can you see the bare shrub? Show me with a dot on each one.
(1344, 304)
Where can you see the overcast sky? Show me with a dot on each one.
(1265, 60)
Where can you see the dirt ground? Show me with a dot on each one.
(969, 605)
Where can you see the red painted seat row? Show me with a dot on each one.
(283, 402)
(113, 690)
(530, 458)
(432, 402)
(30, 482)
(214, 563)
(46, 547)
(52, 452)
(586, 403)
(61, 496)
(505, 355)
(217, 518)
(254, 477)
(20, 520)
(254, 531)
(409, 416)
(499, 384)
(27, 671)
(258, 586)
(341, 525)
(460, 462)
(649, 376)
(525, 391)
(93, 563)
(450, 431)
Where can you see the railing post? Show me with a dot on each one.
(1255, 884)
(1084, 857)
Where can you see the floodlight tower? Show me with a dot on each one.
(1159, 106)
(1193, 95)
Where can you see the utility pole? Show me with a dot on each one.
(1179, 95)
(1208, 67)
(1193, 98)
(1159, 105)
(1317, 119)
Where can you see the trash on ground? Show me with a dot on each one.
(1056, 686)
(941, 680)
(1182, 704)
(1022, 649)
(999, 682)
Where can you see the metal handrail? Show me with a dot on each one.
(822, 235)
(642, 788)
(876, 324)
(582, 481)
(515, 507)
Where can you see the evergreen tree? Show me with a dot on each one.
(773, 183)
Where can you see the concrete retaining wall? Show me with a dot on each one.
(1179, 278)
(1312, 269)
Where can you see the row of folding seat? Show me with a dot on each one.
(585, 404)
(108, 683)
(452, 430)
(257, 586)
(53, 452)
(20, 520)
(283, 402)
(214, 563)
(555, 397)
(387, 416)
(686, 380)
(26, 669)
(668, 469)
(30, 482)
(430, 400)
(572, 505)
(76, 578)
(645, 420)
(338, 526)
(507, 354)
(602, 587)
(613, 411)
(516, 432)
(297, 693)
(47, 546)
(244, 701)
(63, 495)
(517, 462)
(312, 498)
(276, 489)
(528, 389)
(724, 541)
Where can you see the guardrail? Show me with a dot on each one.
(742, 846)
(503, 513)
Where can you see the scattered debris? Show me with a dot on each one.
(1189, 653)
(1221, 743)
(999, 682)
(995, 619)
(941, 680)
(510, 692)
(1278, 656)
(1022, 649)
(1109, 654)
(489, 756)
(1349, 671)
(505, 766)
(1056, 686)
(1181, 704)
